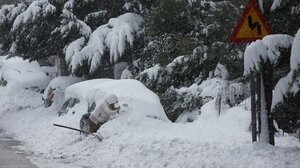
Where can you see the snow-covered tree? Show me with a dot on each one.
(31, 30)
(8, 13)
(287, 91)
(287, 12)
(107, 43)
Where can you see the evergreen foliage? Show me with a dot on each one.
(183, 40)
(287, 113)
(285, 19)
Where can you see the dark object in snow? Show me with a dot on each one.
(100, 138)
(69, 103)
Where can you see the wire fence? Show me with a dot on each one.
(238, 95)
(230, 95)
(295, 136)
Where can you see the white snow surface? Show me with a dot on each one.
(130, 141)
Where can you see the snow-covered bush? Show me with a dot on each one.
(178, 101)
(287, 113)
(170, 81)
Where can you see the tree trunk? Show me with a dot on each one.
(61, 66)
(64, 67)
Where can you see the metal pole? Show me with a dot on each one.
(253, 108)
(258, 109)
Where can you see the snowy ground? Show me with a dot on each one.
(210, 141)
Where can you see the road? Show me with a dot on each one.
(10, 158)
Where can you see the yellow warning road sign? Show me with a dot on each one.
(252, 25)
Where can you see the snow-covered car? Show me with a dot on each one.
(133, 96)
(55, 91)
(22, 73)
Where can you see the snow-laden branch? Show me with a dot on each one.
(70, 21)
(295, 53)
(35, 10)
(275, 4)
(263, 50)
(110, 37)
(291, 82)
(152, 72)
(10, 12)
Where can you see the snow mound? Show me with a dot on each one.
(137, 100)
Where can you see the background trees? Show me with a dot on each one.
(183, 41)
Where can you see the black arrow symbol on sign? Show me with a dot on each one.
(254, 25)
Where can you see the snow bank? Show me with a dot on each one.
(210, 141)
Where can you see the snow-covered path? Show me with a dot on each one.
(9, 158)
(210, 141)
